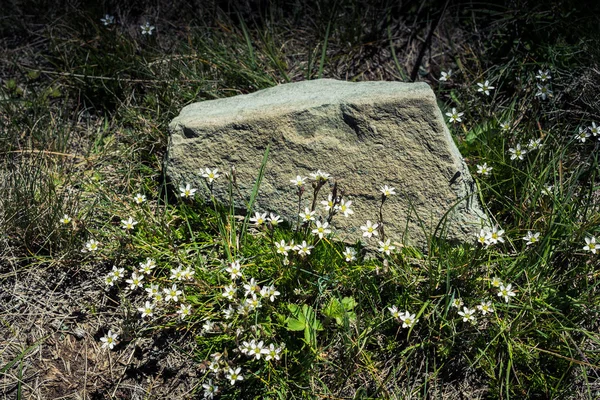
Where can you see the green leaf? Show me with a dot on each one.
(294, 325)
(339, 310)
(349, 303)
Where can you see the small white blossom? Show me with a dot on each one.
(408, 320)
(172, 294)
(350, 254)
(158, 297)
(244, 307)
(307, 215)
(234, 375)
(108, 340)
(273, 353)
(259, 219)
(506, 292)
(485, 307)
(147, 29)
(117, 273)
(187, 191)
(235, 269)
(531, 237)
(386, 247)
(329, 203)
(210, 175)
(321, 229)
(270, 292)
(543, 92)
(128, 224)
(370, 229)
(388, 190)
(344, 208)
(109, 279)
(517, 152)
(257, 350)
(548, 190)
(299, 181)
(395, 312)
(135, 281)
(153, 290)
(274, 219)
(543, 75)
(139, 198)
(454, 116)
(320, 176)
(582, 135)
(304, 248)
(505, 126)
(107, 20)
(187, 274)
(446, 75)
(251, 287)
(485, 87)
(208, 326)
(467, 314)
(176, 273)
(184, 311)
(484, 169)
(229, 292)
(253, 302)
(483, 235)
(147, 267)
(496, 282)
(282, 247)
(214, 367)
(91, 245)
(210, 390)
(65, 220)
(245, 347)
(495, 236)
(535, 144)
(228, 312)
(594, 129)
(590, 244)
(147, 310)
(457, 303)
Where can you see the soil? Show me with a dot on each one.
(52, 319)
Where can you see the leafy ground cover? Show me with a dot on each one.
(116, 283)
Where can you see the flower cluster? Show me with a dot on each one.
(485, 307)
(257, 350)
(489, 237)
(260, 220)
(470, 314)
(253, 293)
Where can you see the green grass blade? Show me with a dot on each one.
(254, 194)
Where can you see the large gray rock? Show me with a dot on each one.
(364, 134)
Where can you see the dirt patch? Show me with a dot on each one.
(52, 320)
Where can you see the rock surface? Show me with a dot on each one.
(365, 135)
